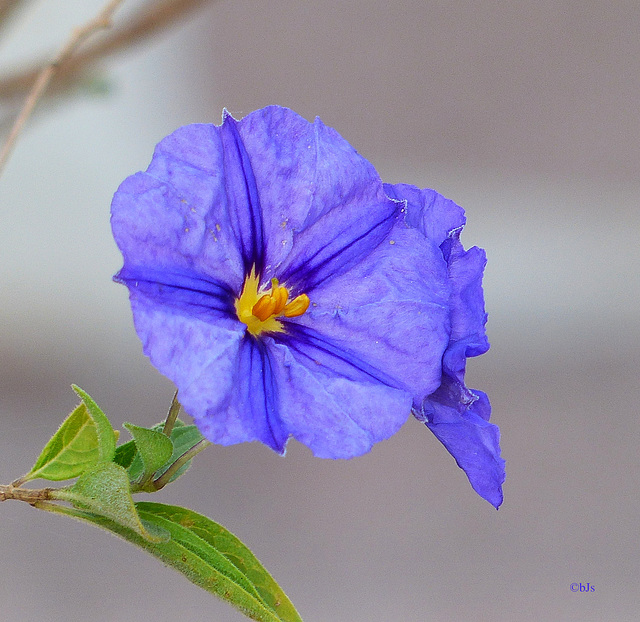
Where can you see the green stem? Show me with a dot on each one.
(172, 415)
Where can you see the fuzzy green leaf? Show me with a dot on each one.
(125, 454)
(205, 553)
(71, 451)
(183, 437)
(104, 491)
(216, 560)
(105, 432)
(154, 449)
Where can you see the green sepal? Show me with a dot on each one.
(153, 449)
(104, 430)
(71, 450)
(104, 492)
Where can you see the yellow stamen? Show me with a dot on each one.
(259, 310)
(297, 306)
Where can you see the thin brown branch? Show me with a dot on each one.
(29, 495)
(148, 21)
(79, 35)
(7, 7)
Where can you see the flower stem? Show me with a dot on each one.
(164, 479)
(172, 415)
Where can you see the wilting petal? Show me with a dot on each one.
(441, 220)
(457, 416)
(427, 211)
(468, 317)
(463, 428)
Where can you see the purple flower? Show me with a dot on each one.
(287, 292)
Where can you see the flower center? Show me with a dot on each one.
(259, 310)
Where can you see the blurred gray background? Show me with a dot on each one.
(526, 114)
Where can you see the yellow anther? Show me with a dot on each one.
(259, 310)
(264, 308)
(297, 306)
(280, 296)
(272, 303)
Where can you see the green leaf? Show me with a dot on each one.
(105, 432)
(205, 553)
(125, 454)
(104, 491)
(184, 437)
(154, 449)
(71, 451)
(216, 560)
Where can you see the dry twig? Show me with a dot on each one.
(7, 7)
(153, 17)
(66, 69)
(102, 20)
